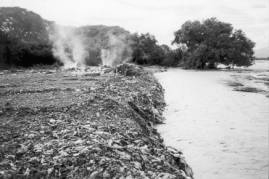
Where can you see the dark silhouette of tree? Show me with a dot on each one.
(213, 42)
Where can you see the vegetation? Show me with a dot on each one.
(24, 38)
(146, 51)
(213, 42)
(172, 57)
(15, 52)
(201, 45)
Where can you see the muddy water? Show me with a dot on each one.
(223, 133)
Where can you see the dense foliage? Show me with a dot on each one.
(24, 38)
(213, 42)
(14, 52)
(146, 51)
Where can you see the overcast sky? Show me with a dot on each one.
(159, 17)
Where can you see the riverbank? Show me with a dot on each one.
(212, 121)
(84, 124)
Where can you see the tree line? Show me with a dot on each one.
(200, 45)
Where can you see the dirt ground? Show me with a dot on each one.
(84, 124)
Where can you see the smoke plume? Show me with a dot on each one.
(68, 46)
(118, 50)
(72, 46)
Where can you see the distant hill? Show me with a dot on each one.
(25, 38)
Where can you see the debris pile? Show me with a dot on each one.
(88, 126)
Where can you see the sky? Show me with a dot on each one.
(158, 17)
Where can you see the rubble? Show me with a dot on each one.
(93, 126)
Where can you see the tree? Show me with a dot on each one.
(243, 45)
(146, 50)
(172, 57)
(213, 42)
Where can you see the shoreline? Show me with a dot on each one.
(94, 124)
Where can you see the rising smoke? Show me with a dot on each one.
(118, 50)
(72, 47)
(68, 46)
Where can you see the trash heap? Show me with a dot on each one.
(64, 124)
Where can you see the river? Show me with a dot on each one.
(223, 133)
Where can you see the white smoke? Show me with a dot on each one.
(118, 50)
(72, 46)
(68, 46)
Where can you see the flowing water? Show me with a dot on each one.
(223, 133)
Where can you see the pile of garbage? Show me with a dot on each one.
(102, 127)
